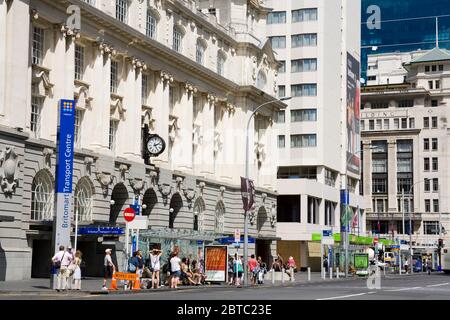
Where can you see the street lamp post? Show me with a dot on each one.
(247, 174)
(410, 224)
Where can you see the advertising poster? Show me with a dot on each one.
(353, 114)
(216, 263)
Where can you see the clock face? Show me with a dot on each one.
(155, 145)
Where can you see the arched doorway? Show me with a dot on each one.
(199, 209)
(150, 199)
(119, 196)
(176, 203)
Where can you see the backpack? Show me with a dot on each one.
(131, 265)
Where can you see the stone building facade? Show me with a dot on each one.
(185, 70)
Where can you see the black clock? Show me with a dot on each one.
(155, 145)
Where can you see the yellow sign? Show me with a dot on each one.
(125, 276)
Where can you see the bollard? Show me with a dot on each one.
(331, 273)
(384, 270)
(337, 272)
(309, 274)
(292, 274)
(282, 275)
(273, 276)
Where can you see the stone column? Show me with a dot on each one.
(207, 151)
(97, 118)
(367, 167)
(392, 175)
(15, 104)
(160, 100)
(304, 208)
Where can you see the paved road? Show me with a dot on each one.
(408, 287)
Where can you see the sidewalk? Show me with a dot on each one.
(94, 285)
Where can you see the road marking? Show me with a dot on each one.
(342, 297)
(404, 289)
(438, 285)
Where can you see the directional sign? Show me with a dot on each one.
(237, 235)
(327, 233)
(129, 214)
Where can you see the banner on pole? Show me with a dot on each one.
(248, 193)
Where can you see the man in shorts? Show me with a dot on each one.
(108, 268)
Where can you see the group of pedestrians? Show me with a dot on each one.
(67, 266)
(257, 269)
(183, 271)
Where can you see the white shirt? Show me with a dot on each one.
(175, 264)
(108, 261)
(154, 260)
(65, 257)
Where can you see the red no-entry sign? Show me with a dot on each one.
(129, 214)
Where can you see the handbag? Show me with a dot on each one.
(57, 264)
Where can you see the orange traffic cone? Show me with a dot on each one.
(113, 283)
(137, 282)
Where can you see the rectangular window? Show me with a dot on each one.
(434, 144)
(441, 67)
(301, 15)
(151, 25)
(435, 205)
(426, 122)
(435, 185)
(378, 124)
(144, 91)
(303, 115)
(303, 140)
(38, 46)
(176, 45)
(427, 68)
(379, 165)
(281, 91)
(426, 164)
(434, 103)
(379, 185)
(404, 123)
(281, 142)
(303, 65)
(122, 10)
(278, 42)
(433, 68)
(426, 144)
(281, 116)
(427, 206)
(404, 165)
(304, 40)
(437, 84)
(114, 76)
(113, 124)
(406, 103)
(435, 164)
(276, 17)
(431, 227)
(426, 185)
(304, 90)
(412, 123)
(79, 62)
(363, 125)
(77, 130)
(396, 124)
(282, 67)
(434, 122)
(371, 124)
(404, 184)
(35, 122)
(430, 84)
(386, 124)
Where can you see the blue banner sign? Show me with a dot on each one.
(101, 231)
(64, 173)
(230, 240)
(327, 233)
(345, 197)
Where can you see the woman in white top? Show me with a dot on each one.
(77, 271)
(175, 267)
(155, 266)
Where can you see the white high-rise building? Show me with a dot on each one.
(314, 40)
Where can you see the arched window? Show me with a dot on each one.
(42, 191)
(84, 200)
(261, 81)
(177, 39)
(200, 52)
(199, 208)
(152, 23)
(221, 63)
(220, 217)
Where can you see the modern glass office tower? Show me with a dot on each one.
(405, 26)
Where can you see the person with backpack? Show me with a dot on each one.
(133, 266)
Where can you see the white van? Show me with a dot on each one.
(389, 257)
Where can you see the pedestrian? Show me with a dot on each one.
(175, 267)
(108, 268)
(155, 266)
(77, 270)
(253, 269)
(262, 270)
(406, 265)
(133, 267)
(238, 269)
(230, 270)
(429, 266)
(325, 264)
(61, 260)
(198, 277)
(141, 263)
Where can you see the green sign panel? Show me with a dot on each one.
(361, 260)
